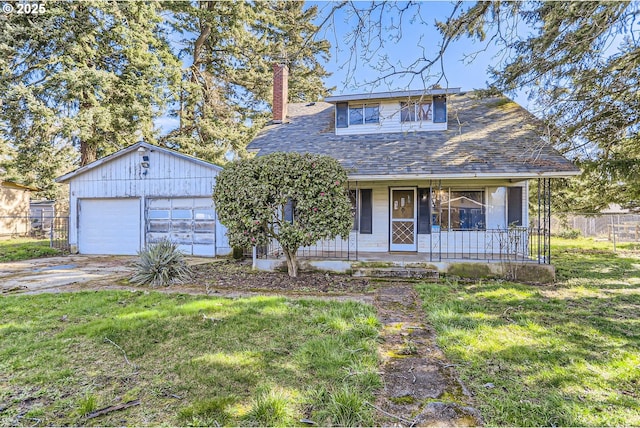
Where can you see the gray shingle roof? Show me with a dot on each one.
(485, 137)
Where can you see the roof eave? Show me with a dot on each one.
(391, 95)
(487, 175)
(19, 186)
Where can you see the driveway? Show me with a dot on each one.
(54, 274)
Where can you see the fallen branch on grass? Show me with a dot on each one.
(106, 339)
(413, 374)
(389, 414)
(110, 409)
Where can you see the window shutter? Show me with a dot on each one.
(439, 109)
(342, 117)
(353, 197)
(288, 211)
(424, 214)
(404, 112)
(514, 207)
(366, 211)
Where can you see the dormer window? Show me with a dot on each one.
(398, 111)
(416, 111)
(360, 114)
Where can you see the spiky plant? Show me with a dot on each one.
(161, 264)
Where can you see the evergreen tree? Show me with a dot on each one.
(581, 64)
(94, 74)
(226, 90)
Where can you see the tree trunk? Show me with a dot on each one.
(88, 153)
(292, 261)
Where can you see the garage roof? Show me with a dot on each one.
(65, 178)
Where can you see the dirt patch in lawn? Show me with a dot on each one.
(229, 275)
(228, 278)
(421, 387)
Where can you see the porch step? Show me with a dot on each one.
(397, 272)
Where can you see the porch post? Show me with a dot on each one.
(548, 228)
(430, 220)
(254, 255)
(358, 215)
(538, 231)
(440, 217)
(349, 236)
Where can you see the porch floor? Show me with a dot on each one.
(401, 257)
(412, 257)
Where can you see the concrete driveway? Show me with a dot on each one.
(57, 273)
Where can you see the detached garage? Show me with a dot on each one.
(140, 195)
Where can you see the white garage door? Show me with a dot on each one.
(188, 222)
(109, 226)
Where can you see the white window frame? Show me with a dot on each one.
(448, 191)
(416, 108)
(363, 106)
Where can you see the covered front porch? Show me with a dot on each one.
(438, 221)
(340, 256)
(495, 245)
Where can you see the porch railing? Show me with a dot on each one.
(339, 248)
(517, 244)
(514, 244)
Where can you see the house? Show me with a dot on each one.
(14, 208)
(140, 195)
(438, 173)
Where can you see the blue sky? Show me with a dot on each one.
(419, 38)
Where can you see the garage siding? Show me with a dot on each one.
(170, 177)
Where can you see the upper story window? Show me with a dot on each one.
(360, 114)
(416, 111)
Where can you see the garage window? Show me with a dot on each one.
(158, 214)
(204, 214)
(181, 214)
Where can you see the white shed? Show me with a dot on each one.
(139, 195)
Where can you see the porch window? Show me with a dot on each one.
(459, 210)
(364, 113)
(416, 111)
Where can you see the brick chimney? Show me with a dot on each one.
(280, 92)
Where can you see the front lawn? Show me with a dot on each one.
(25, 248)
(185, 360)
(560, 355)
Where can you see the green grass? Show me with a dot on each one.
(190, 360)
(24, 249)
(566, 354)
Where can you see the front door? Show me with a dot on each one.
(403, 220)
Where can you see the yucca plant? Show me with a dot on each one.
(161, 264)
